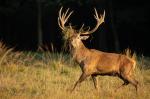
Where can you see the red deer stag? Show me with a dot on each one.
(94, 62)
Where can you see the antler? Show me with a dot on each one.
(63, 18)
(99, 20)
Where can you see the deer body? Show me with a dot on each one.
(94, 62)
(102, 63)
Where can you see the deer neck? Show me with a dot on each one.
(79, 53)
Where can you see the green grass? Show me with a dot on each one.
(28, 75)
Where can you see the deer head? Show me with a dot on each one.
(75, 36)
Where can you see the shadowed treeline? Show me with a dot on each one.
(126, 24)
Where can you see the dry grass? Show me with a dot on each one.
(27, 75)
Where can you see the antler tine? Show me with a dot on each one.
(60, 12)
(99, 20)
(80, 30)
(63, 17)
(60, 19)
(96, 15)
(66, 17)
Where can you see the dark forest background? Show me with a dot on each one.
(27, 24)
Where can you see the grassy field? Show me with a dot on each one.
(28, 75)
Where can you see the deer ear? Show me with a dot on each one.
(84, 37)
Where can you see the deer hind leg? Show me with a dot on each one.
(131, 80)
(82, 78)
(95, 81)
(126, 82)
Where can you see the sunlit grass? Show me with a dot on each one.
(45, 75)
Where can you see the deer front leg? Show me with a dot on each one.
(95, 81)
(82, 78)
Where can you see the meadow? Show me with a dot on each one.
(50, 75)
